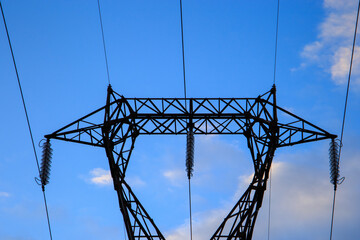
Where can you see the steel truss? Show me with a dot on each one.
(122, 120)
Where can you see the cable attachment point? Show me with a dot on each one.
(334, 157)
(190, 141)
(45, 162)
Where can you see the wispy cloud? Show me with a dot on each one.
(340, 65)
(214, 156)
(99, 176)
(301, 196)
(204, 225)
(332, 48)
(4, 194)
(135, 181)
(175, 176)
(102, 177)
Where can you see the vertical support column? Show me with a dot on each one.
(240, 222)
(117, 181)
(114, 168)
(138, 223)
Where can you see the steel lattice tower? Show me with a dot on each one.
(125, 119)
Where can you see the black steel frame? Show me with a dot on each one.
(122, 120)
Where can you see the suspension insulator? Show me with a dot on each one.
(334, 162)
(190, 154)
(45, 162)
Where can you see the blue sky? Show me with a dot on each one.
(229, 47)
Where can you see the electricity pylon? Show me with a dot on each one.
(122, 120)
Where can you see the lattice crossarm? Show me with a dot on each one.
(290, 134)
(85, 130)
(88, 129)
(90, 135)
(293, 129)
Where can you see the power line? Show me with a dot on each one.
(184, 75)
(332, 215)
(269, 205)
(103, 40)
(274, 80)
(182, 47)
(349, 77)
(190, 209)
(26, 114)
(344, 115)
(276, 38)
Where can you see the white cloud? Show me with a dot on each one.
(244, 181)
(298, 194)
(204, 225)
(100, 177)
(135, 181)
(175, 176)
(311, 51)
(332, 48)
(214, 157)
(340, 68)
(341, 64)
(301, 196)
(336, 4)
(338, 25)
(4, 194)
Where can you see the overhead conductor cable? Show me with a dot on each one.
(190, 134)
(103, 40)
(27, 116)
(274, 81)
(335, 147)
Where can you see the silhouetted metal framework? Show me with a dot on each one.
(122, 120)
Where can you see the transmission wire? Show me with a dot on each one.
(103, 40)
(274, 80)
(269, 205)
(332, 214)
(345, 108)
(27, 116)
(190, 209)
(183, 64)
(183, 51)
(276, 38)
